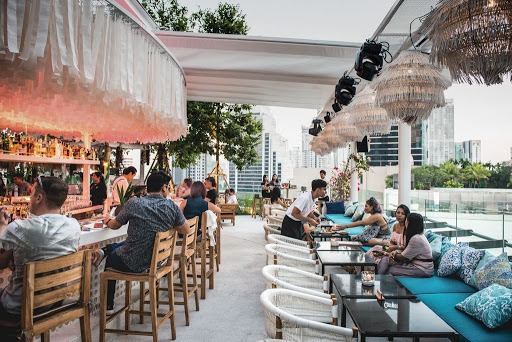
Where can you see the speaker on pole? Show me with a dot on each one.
(363, 145)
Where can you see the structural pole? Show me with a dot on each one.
(354, 179)
(86, 168)
(404, 164)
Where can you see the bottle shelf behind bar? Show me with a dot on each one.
(45, 160)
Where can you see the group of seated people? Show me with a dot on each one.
(185, 188)
(402, 250)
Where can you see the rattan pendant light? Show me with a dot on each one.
(366, 116)
(410, 87)
(472, 38)
(343, 129)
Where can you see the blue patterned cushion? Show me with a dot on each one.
(436, 244)
(349, 211)
(492, 305)
(451, 262)
(496, 271)
(446, 245)
(470, 259)
(358, 214)
(485, 259)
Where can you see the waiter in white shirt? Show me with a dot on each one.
(122, 182)
(301, 211)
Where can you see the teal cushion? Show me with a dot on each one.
(358, 214)
(349, 211)
(470, 259)
(485, 259)
(446, 245)
(496, 271)
(335, 207)
(436, 247)
(451, 261)
(365, 248)
(355, 230)
(470, 329)
(435, 284)
(492, 305)
(338, 218)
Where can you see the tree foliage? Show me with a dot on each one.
(214, 128)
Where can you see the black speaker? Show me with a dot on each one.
(363, 145)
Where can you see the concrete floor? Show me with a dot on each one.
(231, 311)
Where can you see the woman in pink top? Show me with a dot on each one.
(397, 240)
(416, 259)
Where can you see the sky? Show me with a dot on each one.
(481, 112)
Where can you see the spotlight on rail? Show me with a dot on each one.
(317, 128)
(345, 90)
(369, 60)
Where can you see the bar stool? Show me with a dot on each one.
(257, 206)
(162, 264)
(47, 283)
(186, 257)
(207, 256)
(217, 241)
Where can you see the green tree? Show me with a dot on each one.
(389, 181)
(450, 170)
(474, 173)
(452, 184)
(214, 128)
(500, 177)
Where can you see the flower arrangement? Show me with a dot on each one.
(340, 181)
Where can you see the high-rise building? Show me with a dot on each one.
(198, 171)
(439, 135)
(472, 150)
(309, 158)
(296, 157)
(384, 148)
(274, 158)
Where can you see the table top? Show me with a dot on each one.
(318, 232)
(350, 286)
(395, 317)
(345, 258)
(326, 246)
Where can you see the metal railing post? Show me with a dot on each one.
(456, 223)
(503, 233)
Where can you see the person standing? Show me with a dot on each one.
(122, 182)
(23, 187)
(301, 211)
(45, 235)
(98, 189)
(211, 194)
(323, 174)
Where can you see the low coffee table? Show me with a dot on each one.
(350, 286)
(397, 318)
(326, 246)
(323, 236)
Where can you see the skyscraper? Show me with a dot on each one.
(309, 158)
(472, 150)
(439, 135)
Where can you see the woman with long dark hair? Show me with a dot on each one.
(416, 259)
(376, 226)
(265, 187)
(196, 204)
(98, 188)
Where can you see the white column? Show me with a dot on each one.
(353, 178)
(86, 185)
(404, 164)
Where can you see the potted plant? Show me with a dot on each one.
(125, 195)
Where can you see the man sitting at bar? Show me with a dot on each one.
(147, 216)
(46, 235)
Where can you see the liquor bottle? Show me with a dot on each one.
(70, 151)
(11, 146)
(42, 149)
(82, 153)
(53, 148)
(22, 151)
(31, 146)
(58, 151)
(5, 143)
(15, 144)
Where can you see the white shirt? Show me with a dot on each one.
(122, 182)
(232, 199)
(304, 203)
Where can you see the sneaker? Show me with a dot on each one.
(98, 257)
(110, 310)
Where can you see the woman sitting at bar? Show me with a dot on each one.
(416, 259)
(265, 187)
(98, 189)
(196, 205)
(376, 226)
(276, 201)
(397, 241)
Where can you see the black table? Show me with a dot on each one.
(396, 318)
(344, 258)
(323, 236)
(326, 246)
(350, 286)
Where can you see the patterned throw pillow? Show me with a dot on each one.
(446, 245)
(485, 259)
(349, 211)
(496, 271)
(451, 262)
(358, 213)
(492, 305)
(436, 245)
(470, 259)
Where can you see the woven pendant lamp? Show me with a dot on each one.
(410, 87)
(472, 38)
(366, 116)
(342, 127)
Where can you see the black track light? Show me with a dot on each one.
(327, 118)
(336, 106)
(369, 60)
(345, 90)
(317, 128)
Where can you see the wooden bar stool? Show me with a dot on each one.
(187, 257)
(207, 257)
(257, 206)
(217, 241)
(162, 264)
(48, 283)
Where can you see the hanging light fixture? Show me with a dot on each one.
(366, 116)
(343, 129)
(472, 38)
(410, 87)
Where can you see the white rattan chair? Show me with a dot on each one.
(293, 257)
(287, 241)
(275, 219)
(271, 229)
(296, 316)
(284, 277)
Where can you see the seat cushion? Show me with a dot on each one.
(365, 248)
(436, 284)
(338, 218)
(470, 329)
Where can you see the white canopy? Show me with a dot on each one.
(259, 70)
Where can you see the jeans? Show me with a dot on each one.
(115, 262)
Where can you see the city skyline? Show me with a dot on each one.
(333, 20)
